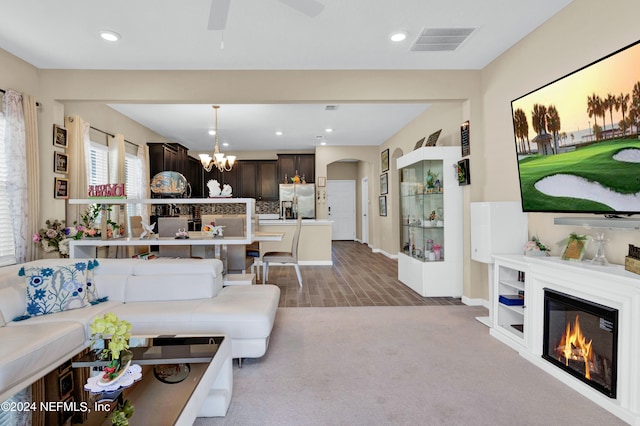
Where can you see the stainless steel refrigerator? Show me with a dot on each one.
(297, 199)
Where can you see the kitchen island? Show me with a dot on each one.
(315, 239)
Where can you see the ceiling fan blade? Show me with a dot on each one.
(218, 14)
(311, 8)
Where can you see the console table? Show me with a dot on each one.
(610, 286)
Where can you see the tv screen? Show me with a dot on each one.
(577, 139)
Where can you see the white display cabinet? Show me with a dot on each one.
(430, 258)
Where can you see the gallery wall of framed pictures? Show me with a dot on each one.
(60, 162)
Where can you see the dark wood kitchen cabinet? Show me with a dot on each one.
(171, 157)
(230, 178)
(194, 175)
(304, 164)
(258, 179)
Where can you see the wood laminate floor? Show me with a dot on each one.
(358, 277)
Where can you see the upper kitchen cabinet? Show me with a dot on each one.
(169, 157)
(194, 175)
(258, 179)
(289, 164)
(229, 178)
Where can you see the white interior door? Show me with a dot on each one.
(365, 210)
(341, 206)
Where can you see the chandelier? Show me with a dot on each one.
(223, 164)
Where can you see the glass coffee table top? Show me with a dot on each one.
(172, 368)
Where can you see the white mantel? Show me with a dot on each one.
(607, 285)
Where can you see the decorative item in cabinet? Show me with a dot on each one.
(431, 222)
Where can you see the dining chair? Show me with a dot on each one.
(290, 258)
(167, 227)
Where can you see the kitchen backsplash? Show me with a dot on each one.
(262, 207)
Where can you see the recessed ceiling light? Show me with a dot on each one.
(398, 36)
(323, 143)
(279, 133)
(225, 143)
(212, 132)
(328, 130)
(110, 35)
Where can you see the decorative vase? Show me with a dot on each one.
(116, 368)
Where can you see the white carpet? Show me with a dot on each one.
(424, 365)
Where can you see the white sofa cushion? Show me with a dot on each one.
(13, 301)
(111, 286)
(115, 266)
(182, 267)
(26, 351)
(146, 288)
(82, 316)
(239, 311)
(158, 318)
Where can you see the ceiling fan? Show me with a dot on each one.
(220, 10)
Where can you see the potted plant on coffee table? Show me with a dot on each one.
(115, 333)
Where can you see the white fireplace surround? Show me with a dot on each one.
(607, 285)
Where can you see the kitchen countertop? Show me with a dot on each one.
(306, 222)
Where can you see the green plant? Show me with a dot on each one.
(122, 413)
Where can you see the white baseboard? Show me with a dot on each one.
(475, 302)
(390, 256)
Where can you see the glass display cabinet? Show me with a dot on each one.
(430, 252)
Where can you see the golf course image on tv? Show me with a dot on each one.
(599, 178)
(577, 140)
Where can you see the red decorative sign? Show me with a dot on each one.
(110, 190)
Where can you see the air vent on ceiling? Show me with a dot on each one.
(441, 39)
(331, 107)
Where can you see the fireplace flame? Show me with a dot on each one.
(574, 346)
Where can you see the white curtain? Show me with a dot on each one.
(144, 179)
(33, 175)
(77, 147)
(17, 186)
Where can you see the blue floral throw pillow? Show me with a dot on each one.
(53, 289)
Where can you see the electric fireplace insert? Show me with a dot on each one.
(581, 338)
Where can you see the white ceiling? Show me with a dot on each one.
(264, 34)
(253, 127)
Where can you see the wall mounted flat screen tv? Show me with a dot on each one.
(577, 139)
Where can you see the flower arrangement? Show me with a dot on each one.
(88, 228)
(535, 247)
(118, 332)
(50, 237)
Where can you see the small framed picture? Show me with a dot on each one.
(61, 188)
(384, 184)
(383, 205)
(575, 247)
(60, 162)
(464, 175)
(384, 160)
(59, 136)
(322, 181)
(464, 139)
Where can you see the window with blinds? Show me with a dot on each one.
(99, 156)
(7, 244)
(99, 172)
(133, 184)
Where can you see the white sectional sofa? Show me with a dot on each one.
(158, 297)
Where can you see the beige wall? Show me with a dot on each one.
(580, 34)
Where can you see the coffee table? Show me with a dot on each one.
(205, 392)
